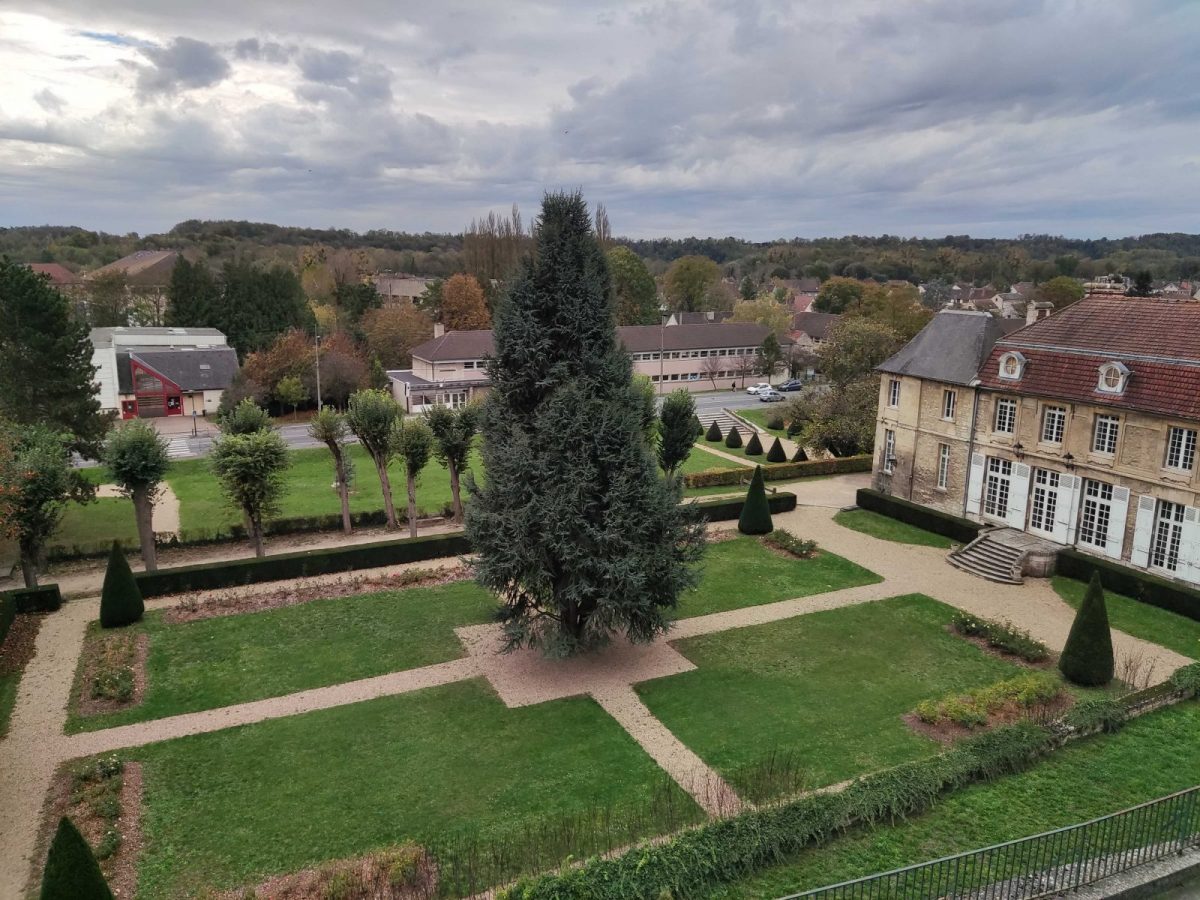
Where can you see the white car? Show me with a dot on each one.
(755, 388)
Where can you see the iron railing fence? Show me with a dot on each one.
(1040, 865)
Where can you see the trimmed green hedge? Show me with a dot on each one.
(8, 612)
(300, 564)
(780, 471)
(725, 510)
(725, 850)
(45, 598)
(962, 530)
(1119, 579)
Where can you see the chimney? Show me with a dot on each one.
(438, 329)
(1037, 309)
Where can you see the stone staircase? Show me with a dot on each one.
(990, 556)
(722, 418)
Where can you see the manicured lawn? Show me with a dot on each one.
(701, 461)
(760, 416)
(8, 698)
(229, 807)
(744, 572)
(1152, 757)
(827, 688)
(888, 529)
(1159, 626)
(740, 451)
(234, 659)
(90, 527)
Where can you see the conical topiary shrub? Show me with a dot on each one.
(756, 513)
(714, 432)
(72, 872)
(1087, 658)
(799, 455)
(697, 426)
(733, 440)
(754, 445)
(776, 454)
(121, 599)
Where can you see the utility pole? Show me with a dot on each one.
(318, 372)
(662, 341)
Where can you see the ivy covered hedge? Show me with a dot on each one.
(1143, 586)
(728, 849)
(957, 529)
(779, 471)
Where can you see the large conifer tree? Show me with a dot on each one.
(574, 528)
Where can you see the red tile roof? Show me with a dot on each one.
(57, 273)
(1159, 340)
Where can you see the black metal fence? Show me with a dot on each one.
(1043, 864)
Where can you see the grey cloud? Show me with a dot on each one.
(263, 51)
(337, 69)
(183, 64)
(49, 101)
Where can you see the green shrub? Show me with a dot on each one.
(1141, 586)
(973, 708)
(962, 530)
(714, 432)
(121, 598)
(789, 543)
(8, 615)
(775, 422)
(1002, 636)
(1097, 714)
(781, 471)
(72, 872)
(799, 456)
(109, 844)
(776, 454)
(697, 426)
(725, 510)
(756, 513)
(733, 440)
(754, 445)
(1087, 657)
(44, 598)
(1186, 680)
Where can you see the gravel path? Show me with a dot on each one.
(166, 510)
(36, 744)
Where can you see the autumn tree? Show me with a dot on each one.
(765, 311)
(854, 347)
(1060, 291)
(329, 427)
(898, 307)
(453, 438)
(464, 307)
(392, 332)
(370, 415)
(136, 457)
(688, 280)
(291, 391)
(108, 299)
(573, 528)
(636, 293)
(838, 294)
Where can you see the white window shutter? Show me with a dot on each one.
(1018, 496)
(1189, 546)
(975, 484)
(1070, 495)
(1116, 523)
(1143, 531)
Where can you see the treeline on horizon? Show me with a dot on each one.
(1033, 257)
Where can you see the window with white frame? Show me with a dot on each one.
(1112, 379)
(949, 404)
(1104, 438)
(469, 364)
(943, 466)
(1181, 449)
(1012, 366)
(889, 451)
(1096, 515)
(1006, 415)
(1167, 536)
(894, 392)
(1054, 423)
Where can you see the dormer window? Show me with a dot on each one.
(1113, 377)
(1012, 366)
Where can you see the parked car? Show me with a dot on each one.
(756, 388)
(770, 395)
(794, 384)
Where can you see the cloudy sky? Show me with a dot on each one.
(761, 119)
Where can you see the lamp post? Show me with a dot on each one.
(662, 342)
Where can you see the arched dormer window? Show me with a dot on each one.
(1113, 378)
(1012, 366)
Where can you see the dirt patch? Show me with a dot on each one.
(114, 671)
(106, 807)
(402, 873)
(192, 608)
(20, 644)
(947, 733)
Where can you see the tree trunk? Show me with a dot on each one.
(339, 463)
(256, 535)
(412, 505)
(143, 513)
(385, 484)
(455, 492)
(29, 566)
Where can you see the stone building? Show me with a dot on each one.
(1080, 429)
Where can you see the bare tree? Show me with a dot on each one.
(710, 366)
(603, 229)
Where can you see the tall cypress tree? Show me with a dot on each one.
(46, 372)
(193, 295)
(574, 529)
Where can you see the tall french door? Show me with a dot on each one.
(1168, 534)
(997, 487)
(1095, 517)
(1043, 505)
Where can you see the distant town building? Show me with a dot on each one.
(151, 372)
(809, 329)
(59, 275)
(142, 268)
(399, 288)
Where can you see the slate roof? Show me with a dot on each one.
(951, 347)
(636, 338)
(1157, 339)
(200, 369)
(701, 318)
(815, 324)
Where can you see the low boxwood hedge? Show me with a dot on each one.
(725, 510)
(1119, 579)
(957, 529)
(779, 471)
(45, 598)
(8, 612)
